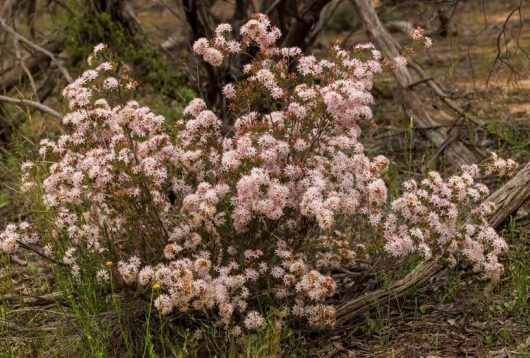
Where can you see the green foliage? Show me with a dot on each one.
(102, 324)
(378, 324)
(84, 28)
(451, 287)
(519, 270)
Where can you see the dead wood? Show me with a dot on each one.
(33, 104)
(510, 196)
(404, 27)
(423, 114)
(304, 21)
(507, 199)
(34, 63)
(36, 300)
(36, 47)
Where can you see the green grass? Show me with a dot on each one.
(518, 268)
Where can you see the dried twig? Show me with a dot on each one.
(25, 68)
(34, 63)
(37, 105)
(36, 47)
(15, 327)
(41, 254)
(502, 33)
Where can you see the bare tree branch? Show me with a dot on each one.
(20, 60)
(36, 47)
(498, 57)
(34, 63)
(37, 105)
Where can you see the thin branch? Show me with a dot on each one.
(44, 256)
(168, 8)
(36, 47)
(37, 105)
(323, 21)
(499, 50)
(271, 8)
(25, 68)
(35, 63)
(441, 93)
(414, 105)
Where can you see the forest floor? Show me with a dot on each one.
(458, 315)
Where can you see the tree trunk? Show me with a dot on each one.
(120, 11)
(296, 19)
(303, 23)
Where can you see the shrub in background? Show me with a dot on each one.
(83, 24)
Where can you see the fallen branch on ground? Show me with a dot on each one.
(457, 152)
(507, 199)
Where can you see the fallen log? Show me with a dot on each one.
(507, 199)
(415, 107)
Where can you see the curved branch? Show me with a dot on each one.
(34, 63)
(37, 105)
(36, 47)
(502, 33)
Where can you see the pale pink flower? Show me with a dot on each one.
(254, 321)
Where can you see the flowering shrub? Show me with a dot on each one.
(220, 222)
(445, 215)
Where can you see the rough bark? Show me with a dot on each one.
(415, 107)
(120, 11)
(355, 308)
(303, 23)
(445, 19)
(199, 17)
(510, 196)
(507, 199)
